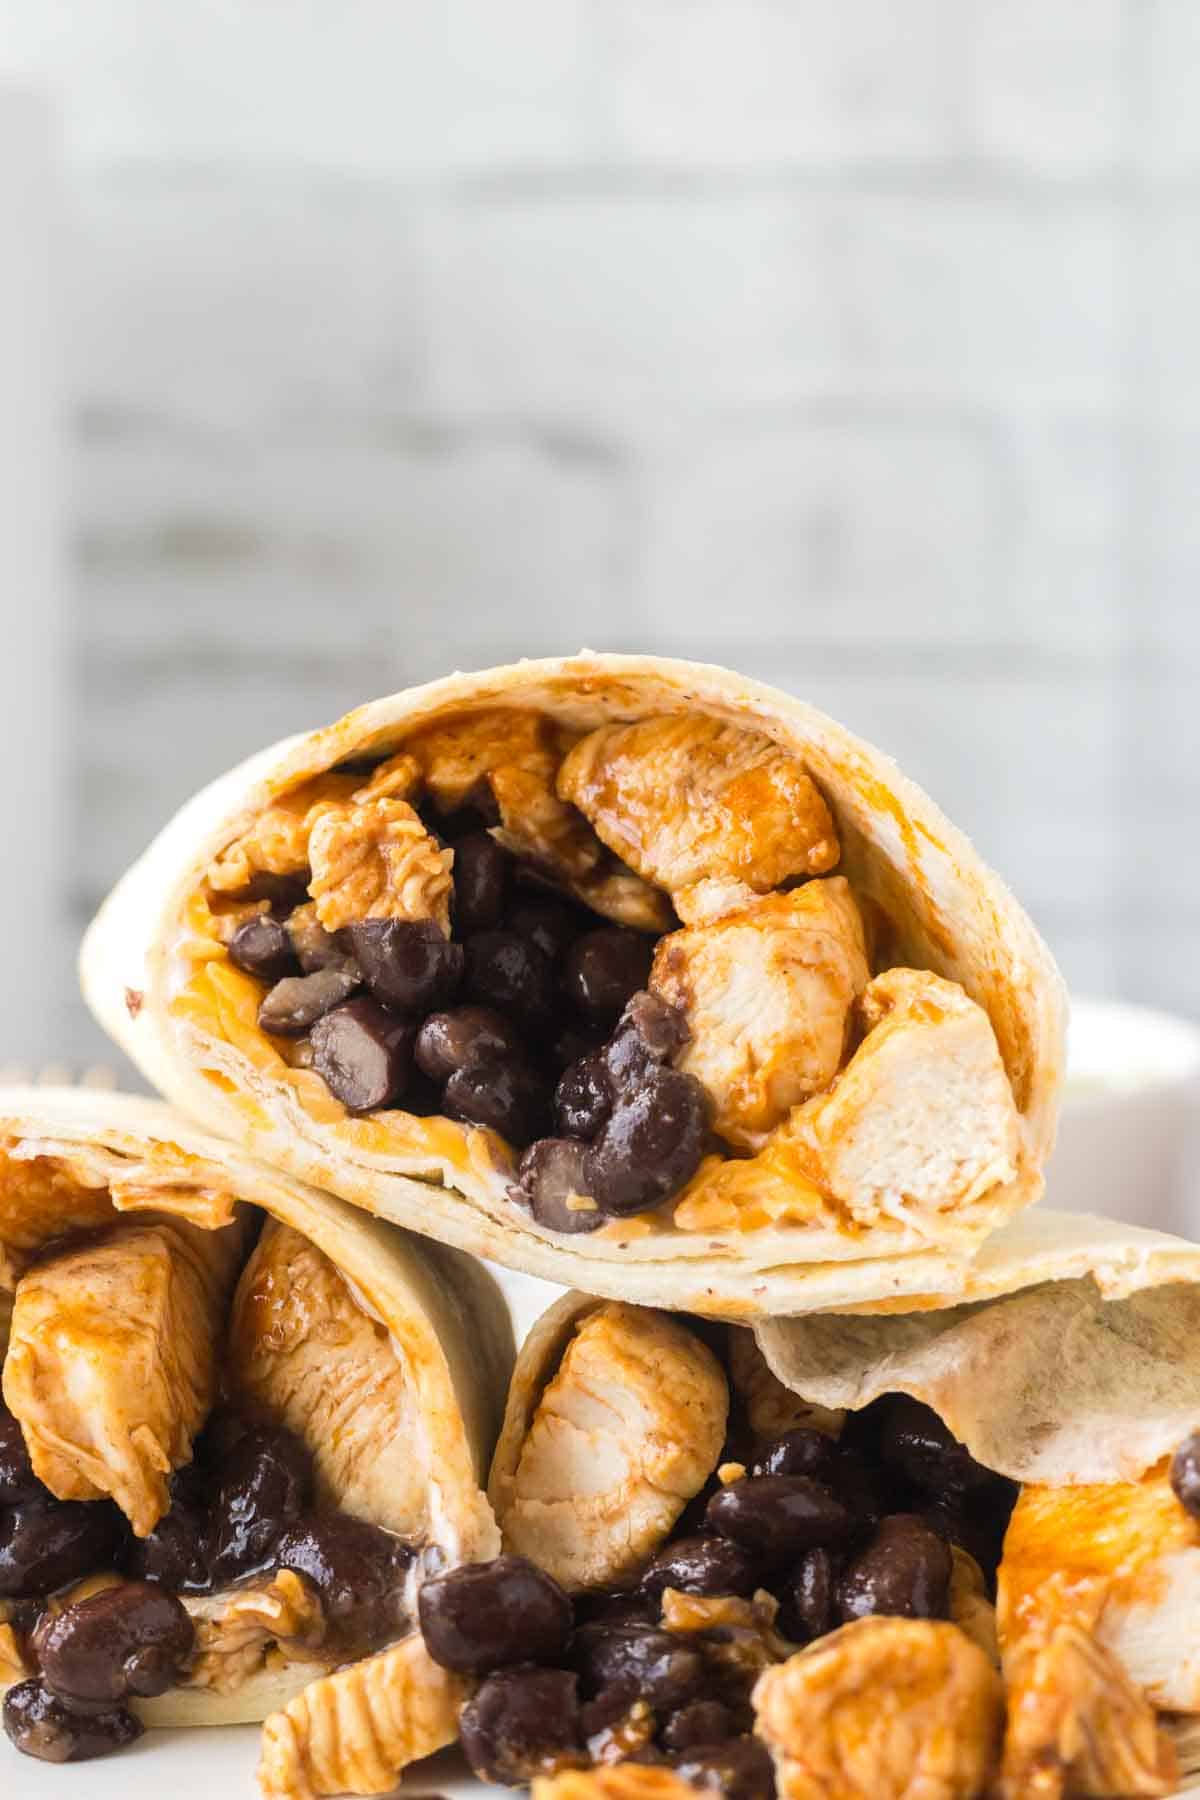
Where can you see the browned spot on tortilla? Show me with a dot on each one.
(135, 999)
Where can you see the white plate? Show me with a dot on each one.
(217, 1764)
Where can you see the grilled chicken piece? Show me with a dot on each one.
(1119, 1559)
(769, 1407)
(922, 1118)
(276, 843)
(884, 1709)
(1078, 1726)
(627, 1431)
(237, 1632)
(41, 1200)
(768, 993)
(688, 800)
(356, 1730)
(513, 755)
(112, 1360)
(375, 860)
(304, 1354)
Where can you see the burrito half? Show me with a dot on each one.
(953, 1554)
(242, 1424)
(631, 974)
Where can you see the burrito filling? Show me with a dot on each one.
(710, 1584)
(198, 1438)
(624, 962)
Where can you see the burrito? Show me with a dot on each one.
(242, 1424)
(949, 1554)
(630, 974)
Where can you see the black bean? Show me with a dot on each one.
(808, 1597)
(509, 1096)
(739, 1769)
(363, 1054)
(128, 1640)
(626, 1606)
(639, 1662)
(605, 969)
(916, 1443)
(778, 1515)
(298, 1001)
(40, 1725)
(480, 880)
(977, 1530)
(265, 1484)
(650, 1032)
(511, 974)
(704, 1564)
(522, 1723)
(703, 1722)
(551, 1172)
(651, 1145)
(583, 1099)
(45, 1544)
(1185, 1474)
(408, 964)
(356, 1569)
(551, 924)
(463, 1038)
(799, 1452)
(17, 1479)
(904, 1571)
(475, 812)
(263, 948)
(573, 1043)
(175, 1553)
(314, 947)
(488, 1615)
(859, 1486)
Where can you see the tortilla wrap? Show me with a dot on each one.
(76, 1162)
(158, 976)
(1080, 1398)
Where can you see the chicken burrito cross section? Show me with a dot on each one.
(847, 1556)
(631, 974)
(242, 1424)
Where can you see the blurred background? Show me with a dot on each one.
(852, 345)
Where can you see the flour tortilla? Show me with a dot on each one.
(1077, 1358)
(446, 1318)
(948, 912)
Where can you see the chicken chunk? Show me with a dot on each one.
(884, 1709)
(768, 993)
(628, 1429)
(112, 1360)
(512, 754)
(356, 1730)
(276, 842)
(970, 1608)
(1120, 1559)
(688, 800)
(1078, 1726)
(769, 1407)
(922, 1118)
(304, 1354)
(41, 1199)
(375, 860)
(236, 1632)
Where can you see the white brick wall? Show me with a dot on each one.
(853, 344)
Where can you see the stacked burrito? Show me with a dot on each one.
(843, 1470)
